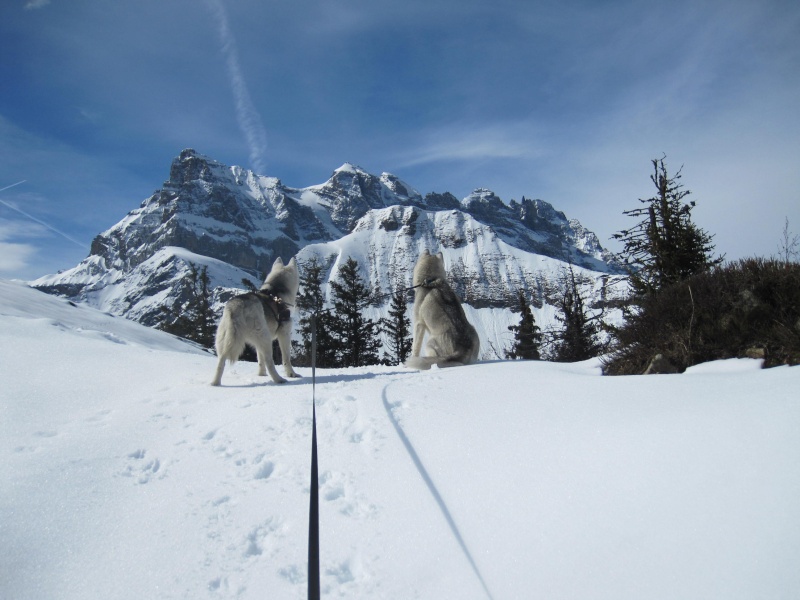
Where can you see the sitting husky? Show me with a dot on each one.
(452, 340)
(257, 318)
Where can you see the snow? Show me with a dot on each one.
(349, 168)
(124, 475)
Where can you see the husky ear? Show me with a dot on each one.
(440, 256)
(278, 263)
(426, 253)
(292, 264)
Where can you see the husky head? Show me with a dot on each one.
(283, 280)
(429, 269)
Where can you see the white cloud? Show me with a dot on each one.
(14, 257)
(473, 142)
(34, 4)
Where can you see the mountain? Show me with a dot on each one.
(236, 222)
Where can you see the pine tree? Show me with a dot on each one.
(578, 339)
(356, 337)
(527, 336)
(311, 302)
(398, 327)
(195, 319)
(204, 315)
(664, 247)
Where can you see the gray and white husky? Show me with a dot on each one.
(257, 318)
(452, 340)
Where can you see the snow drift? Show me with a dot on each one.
(124, 475)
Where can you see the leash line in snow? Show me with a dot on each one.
(434, 491)
(313, 504)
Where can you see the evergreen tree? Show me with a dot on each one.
(578, 339)
(205, 320)
(398, 327)
(356, 337)
(664, 247)
(311, 302)
(527, 336)
(195, 319)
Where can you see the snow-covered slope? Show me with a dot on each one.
(124, 475)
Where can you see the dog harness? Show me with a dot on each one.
(274, 304)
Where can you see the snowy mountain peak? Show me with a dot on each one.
(350, 168)
(192, 166)
(238, 218)
(400, 188)
(483, 201)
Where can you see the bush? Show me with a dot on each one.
(747, 308)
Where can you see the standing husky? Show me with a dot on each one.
(452, 340)
(257, 318)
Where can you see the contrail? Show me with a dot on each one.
(246, 114)
(8, 187)
(39, 221)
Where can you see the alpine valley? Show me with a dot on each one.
(235, 223)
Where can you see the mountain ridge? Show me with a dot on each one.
(245, 220)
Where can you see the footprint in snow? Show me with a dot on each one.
(101, 416)
(141, 468)
(264, 470)
(335, 488)
(261, 536)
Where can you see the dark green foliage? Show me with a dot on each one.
(664, 247)
(747, 308)
(527, 336)
(311, 301)
(355, 337)
(578, 339)
(193, 319)
(398, 327)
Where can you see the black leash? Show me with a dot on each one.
(425, 283)
(313, 506)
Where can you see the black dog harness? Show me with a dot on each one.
(274, 305)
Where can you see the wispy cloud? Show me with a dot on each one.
(34, 4)
(14, 255)
(473, 143)
(246, 114)
(35, 220)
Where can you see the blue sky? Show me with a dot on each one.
(562, 100)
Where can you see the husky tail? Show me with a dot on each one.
(228, 343)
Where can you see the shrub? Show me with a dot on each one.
(746, 308)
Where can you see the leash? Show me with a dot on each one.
(313, 505)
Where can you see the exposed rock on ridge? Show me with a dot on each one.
(244, 220)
